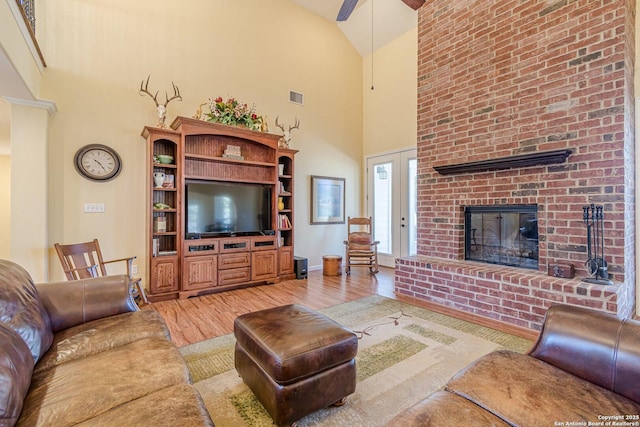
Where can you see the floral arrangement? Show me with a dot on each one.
(234, 113)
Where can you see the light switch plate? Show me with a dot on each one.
(94, 207)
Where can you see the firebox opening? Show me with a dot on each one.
(502, 234)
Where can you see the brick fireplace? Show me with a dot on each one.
(504, 80)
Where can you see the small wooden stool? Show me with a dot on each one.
(332, 265)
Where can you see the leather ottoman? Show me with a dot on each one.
(295, 360)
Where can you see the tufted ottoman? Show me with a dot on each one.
(295, 360)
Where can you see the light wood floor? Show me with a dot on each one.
(199, 318)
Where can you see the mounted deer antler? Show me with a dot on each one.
(145, 90)
(286, 137)
(162, 108)
(198, 114)
(278, 125)
(296, 126)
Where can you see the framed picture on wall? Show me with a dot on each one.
(327, 200)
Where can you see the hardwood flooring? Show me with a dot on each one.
(208, 316)
(199, 318)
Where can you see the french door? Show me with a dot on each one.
(391, 202)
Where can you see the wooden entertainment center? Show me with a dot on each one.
(182, 265)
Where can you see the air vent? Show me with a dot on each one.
(296, 98)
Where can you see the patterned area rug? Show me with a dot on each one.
(405, 353)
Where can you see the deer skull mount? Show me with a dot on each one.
(285, 140)
(162, 108)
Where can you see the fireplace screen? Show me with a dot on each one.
(505, 235)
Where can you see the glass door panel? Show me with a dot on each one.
(411, 228)
(383, 207)
(391, 202)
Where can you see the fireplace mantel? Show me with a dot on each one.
(523, 160)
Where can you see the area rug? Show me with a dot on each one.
(405, 353)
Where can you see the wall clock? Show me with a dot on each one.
(98, 162)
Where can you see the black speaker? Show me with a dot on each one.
(300, 265)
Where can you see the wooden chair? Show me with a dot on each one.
(84, 261)
(361, 249)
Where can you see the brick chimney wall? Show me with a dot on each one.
(499, 78)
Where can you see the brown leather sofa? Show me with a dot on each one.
(584, 368)
(81, 353)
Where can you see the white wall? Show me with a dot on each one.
(29, 190)
(99, 52)
(5, 203)
(391, 108)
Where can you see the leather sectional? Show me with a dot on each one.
(584, 369)
(81, 352)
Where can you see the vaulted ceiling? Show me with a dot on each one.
(391, 19)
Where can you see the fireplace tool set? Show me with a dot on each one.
(596, 264)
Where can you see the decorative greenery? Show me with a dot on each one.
(234, 113)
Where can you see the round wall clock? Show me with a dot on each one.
(98, 162)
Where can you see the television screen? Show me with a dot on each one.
(217, 208)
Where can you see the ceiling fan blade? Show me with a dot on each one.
(346, 9)
(414, 4)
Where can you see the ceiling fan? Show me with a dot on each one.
(348, 6)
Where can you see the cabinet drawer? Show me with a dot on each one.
(235, 260)
(237, 275)
(263, 243)
(234, 245)
(200, 247)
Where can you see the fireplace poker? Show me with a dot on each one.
(594, 227)
(593, 216)
(602, 263)
(591, 265)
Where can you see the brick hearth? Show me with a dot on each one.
(511, 295)
(502, 78)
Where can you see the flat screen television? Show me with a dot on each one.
(225, 209)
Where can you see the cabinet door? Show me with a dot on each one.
(200, 272)
(264, 265)
(285, 258)
(164, 275)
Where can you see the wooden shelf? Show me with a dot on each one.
(540, 158)
(198, 148)
(165, 165)
(166, 255)
(226, 160)
(208, 178)
(189, 126)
